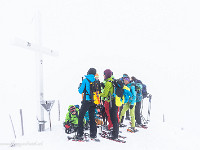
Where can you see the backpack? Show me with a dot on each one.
(118, 92)
(138, 88)
(144, 89)
(94, 92)
(118, 87)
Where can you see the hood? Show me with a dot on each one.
(90, 77)
(111, 79)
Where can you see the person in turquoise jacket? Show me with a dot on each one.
(138, 85)
(87, 105)
(130, 102)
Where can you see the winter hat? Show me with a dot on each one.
(133, 79)
(91, 71)
(127, 78)
(108, 73)
(96, 75)
(125, 75)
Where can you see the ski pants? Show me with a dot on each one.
(127, 112)
(106, 105)
(137, 112)
(107, 110)
(132, 113)
(113, 116)
(87, 106)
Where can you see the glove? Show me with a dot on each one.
(131, 106)
(67, 126)
(79, 85)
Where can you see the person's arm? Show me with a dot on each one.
(133, 95)
(106, 90)
(82, 87)
(67, 119)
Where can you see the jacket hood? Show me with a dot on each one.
(90, 77)
(111, 79)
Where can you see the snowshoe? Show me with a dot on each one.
(132, 130)
(95, 139)
(141, 126)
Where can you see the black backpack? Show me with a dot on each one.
(118, 87)
(144, 91)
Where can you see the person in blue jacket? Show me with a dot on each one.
(87, 105)
(130, 102)
(138, 85)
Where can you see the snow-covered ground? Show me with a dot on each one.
(156, 41)
(157, 136)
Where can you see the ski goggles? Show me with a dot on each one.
(126, 78)
(72, 109)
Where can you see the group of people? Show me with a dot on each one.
(112, 97)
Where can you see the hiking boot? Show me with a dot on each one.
(122, 125)
(113, 137)
(93, 136)
(77, 137)
(140, 125)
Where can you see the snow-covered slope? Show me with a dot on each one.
(157, 136)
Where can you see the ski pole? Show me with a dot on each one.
(82, 93)
(58, 110)
(149, 107)
(13, 127)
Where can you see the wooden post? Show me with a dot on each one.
(58, 110)
(22, 125)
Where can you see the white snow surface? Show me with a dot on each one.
(157, 136)
(156, 41)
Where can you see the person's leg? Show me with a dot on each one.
(114, 119)
(83, 110)
(118, 114)
(127, 115)
(125, 108)
(93, 128)
(132, 113)
(137, 112)
(120, 109)
(106, 104)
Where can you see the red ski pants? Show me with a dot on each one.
(107, 106)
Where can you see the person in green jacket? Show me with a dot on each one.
(71, 120)
(113, 109)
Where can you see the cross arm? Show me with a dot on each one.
(32, 46)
